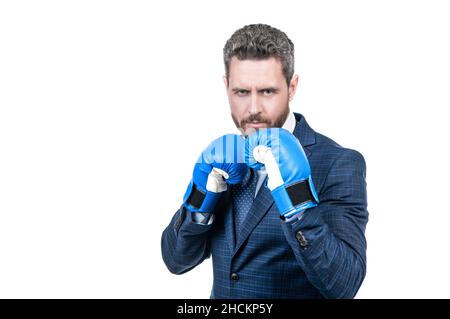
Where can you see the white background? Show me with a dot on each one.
(105, 106)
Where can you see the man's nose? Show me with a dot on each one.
(255, 104)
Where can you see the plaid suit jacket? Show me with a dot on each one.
(322, 255)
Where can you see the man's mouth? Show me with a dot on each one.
(256, 124)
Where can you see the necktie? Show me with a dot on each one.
(242, 197)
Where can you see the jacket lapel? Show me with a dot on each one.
(304, 133)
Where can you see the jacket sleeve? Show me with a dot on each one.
(184, 243)
(329, 241)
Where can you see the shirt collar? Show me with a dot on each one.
(290, 122)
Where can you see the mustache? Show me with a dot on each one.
(255, 118)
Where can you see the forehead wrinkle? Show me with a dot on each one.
(250, 74)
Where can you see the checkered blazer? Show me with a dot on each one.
(322, 255)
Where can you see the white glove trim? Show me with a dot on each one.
(216, 181)
(264, 155)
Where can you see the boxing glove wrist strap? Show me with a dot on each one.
(196, 197)
(300, 192)
(293, 198)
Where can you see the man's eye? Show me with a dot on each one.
(267, 92)
(241, 92)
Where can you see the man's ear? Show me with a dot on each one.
(225, 81)
(293, 86)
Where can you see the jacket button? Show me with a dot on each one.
(301, 239)
(234, 276)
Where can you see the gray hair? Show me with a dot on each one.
(260, 41)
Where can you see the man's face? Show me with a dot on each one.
(258, 93)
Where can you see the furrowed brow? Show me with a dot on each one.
(271, 88)
(236, 89)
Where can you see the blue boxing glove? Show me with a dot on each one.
(221, 163)
(288, 170)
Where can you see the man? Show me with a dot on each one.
(282, 212)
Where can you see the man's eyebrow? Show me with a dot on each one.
(235, 89)
(270, 88)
